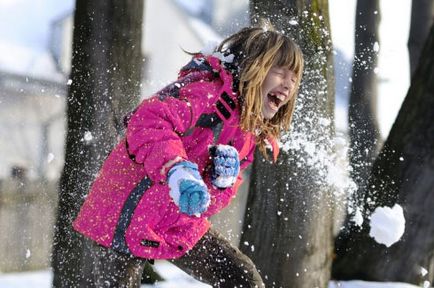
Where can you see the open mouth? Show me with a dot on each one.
(275, 100)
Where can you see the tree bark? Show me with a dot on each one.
(403, 173)
(287, 229)
(105, 75)
(422, 13)
(363, 125)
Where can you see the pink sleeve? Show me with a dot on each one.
(248, 159)
(154, 130)
(153, 133)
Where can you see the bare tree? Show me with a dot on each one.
(105, 75)
(402, 173)
(288, 225)
(363, 125)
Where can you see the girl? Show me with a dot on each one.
(181, 158)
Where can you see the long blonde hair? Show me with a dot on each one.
(256, 51)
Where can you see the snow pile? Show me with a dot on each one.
(174, 278)
(387, 224)
(35, 279)
(366, 284)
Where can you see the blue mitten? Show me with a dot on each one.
(187, 188)
(225, 165)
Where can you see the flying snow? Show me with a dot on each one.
(224, 58)
(50, 157)
(358, 217)
(423, 271)
(387, 224)
(376, 47)
(293, 22)
(88, 136)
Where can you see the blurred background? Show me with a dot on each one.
(35, 57)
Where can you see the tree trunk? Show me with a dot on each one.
(403, 173)
(105, 75)
(422, 13)
(288, 225)
(363, 125)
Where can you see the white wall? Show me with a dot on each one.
(166, 33)
(23, 113)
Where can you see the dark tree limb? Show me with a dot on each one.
(363, 124)
(403, 173)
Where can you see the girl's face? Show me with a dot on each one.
(277, 90)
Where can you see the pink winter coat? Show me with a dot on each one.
(129, 208)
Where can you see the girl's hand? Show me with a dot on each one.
(187, 188)
(225, 166)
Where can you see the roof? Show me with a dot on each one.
(21, 60)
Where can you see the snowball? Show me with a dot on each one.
(426, 284)
(387, 224)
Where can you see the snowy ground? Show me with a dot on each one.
(175, 279)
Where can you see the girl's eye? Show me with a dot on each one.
(279, 72)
